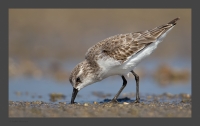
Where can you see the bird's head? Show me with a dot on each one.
(81, 76)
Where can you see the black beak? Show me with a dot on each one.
(74, 93)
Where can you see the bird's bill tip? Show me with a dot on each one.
(74, 93)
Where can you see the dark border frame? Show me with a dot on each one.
(95, 4)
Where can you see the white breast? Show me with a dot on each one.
(108, 66)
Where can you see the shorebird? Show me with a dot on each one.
(117, 55)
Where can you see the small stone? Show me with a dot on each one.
(169, 95)
(33, 102)
(11, 102)
(38, 102)
(142, 103)
(85, 104)
(27, 103)
(149, 97)
(187, 96)
(76, 103)
(62, 103)
(95, 102)
(125, 103)
(108, 105)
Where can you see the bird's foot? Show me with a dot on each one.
(74, 103)
(137, 100)
(114, 101)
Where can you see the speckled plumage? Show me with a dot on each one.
(117, 55)
(121, 46)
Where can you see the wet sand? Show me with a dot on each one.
(125, 108)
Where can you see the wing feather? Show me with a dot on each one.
(121, 47)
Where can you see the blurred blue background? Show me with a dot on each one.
(46, 44)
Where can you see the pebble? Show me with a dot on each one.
(186, 95)
(37, 102)
(85, 104)
(153, 109)
(11, 102)
(28, 103)
(125, 103)
(149, 97)
(62, 103)
(169, 95)
(95, 102)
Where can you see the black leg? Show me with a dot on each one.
(118, 93)
(137, 86)
(74, 93)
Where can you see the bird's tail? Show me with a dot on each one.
(174, 21)
(158, 31)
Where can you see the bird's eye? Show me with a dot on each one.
(104, 51)
(78, 80)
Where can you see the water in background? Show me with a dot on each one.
(39, 34)
(31, 89)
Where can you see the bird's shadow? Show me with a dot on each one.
(120, 100)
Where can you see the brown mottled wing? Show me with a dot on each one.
(118, 47)
(121, 47)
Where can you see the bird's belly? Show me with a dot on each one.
(135, 59)
(125, 68)
(117, 71)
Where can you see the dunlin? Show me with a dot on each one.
(117, 55)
